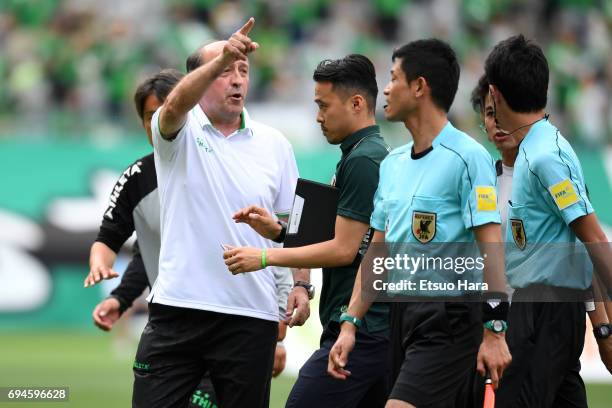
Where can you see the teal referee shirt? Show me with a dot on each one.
(548, 193)
(436, 196)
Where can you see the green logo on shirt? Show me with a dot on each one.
(201, 143)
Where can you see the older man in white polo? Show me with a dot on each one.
(212, 159)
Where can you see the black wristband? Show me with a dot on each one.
(495, 306)
(281, 237)
(123, 306)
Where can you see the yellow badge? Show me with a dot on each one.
(518, 233)
(564, 194)
(423, 226)
(486, 198)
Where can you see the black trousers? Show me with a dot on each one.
(546, 341)
(178, 346)
(204, 395)
(366, 387)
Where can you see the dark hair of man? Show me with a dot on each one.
(159, 85)
(195, 60)
(435, 61)
(479, 94)
(518, 68)
(352, 74)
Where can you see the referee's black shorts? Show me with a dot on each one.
(546, 341)
(179, 345)
(434, 350)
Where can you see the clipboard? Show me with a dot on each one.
(313, 215)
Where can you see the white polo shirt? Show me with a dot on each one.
(203, 179)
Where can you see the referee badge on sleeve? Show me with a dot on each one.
(423, 226)
(518, 233)
(486, 198)
(564, 194)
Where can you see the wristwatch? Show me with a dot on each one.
(309, 288)
(603, 331)
(283, 233)
(345, 317)
(496, 326)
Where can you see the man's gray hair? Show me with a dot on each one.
(196, 59)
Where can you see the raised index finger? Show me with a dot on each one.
(247, 26)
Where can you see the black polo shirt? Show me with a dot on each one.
(357, 179)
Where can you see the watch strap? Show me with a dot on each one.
(345, 317)
(309, 288)
(281, 237)
(602, 331)
(493, 325)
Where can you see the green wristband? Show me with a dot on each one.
(263, 258)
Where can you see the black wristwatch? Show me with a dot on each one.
(281, 237)
(603, 331)
(309, 288)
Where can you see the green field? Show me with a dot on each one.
(86, 362)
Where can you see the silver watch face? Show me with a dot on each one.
(498, 325)
(310, 289)
(604, 331)
(311, 292)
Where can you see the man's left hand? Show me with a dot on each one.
(339, 353)
(493, 356)
(106, 313)
(298, 307)
(243, 259)
(280, 358)
(260, 220)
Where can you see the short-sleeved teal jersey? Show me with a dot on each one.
(436, 196)
(548, 193)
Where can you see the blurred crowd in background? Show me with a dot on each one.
(68, 68)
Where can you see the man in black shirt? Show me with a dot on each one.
(133, 206)
(345, 92)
